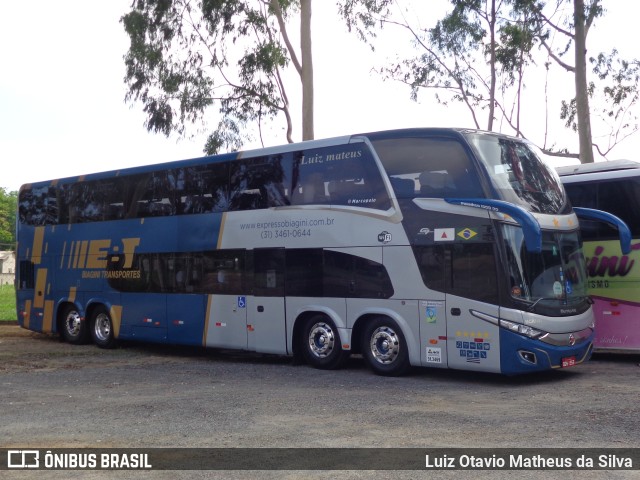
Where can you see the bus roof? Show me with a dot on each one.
(598, 167)
(279, 149)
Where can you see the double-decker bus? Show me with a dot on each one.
(614, 276)
(441, 248)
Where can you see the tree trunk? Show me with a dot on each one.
(307, 70)
(582, 95)
(492, 63)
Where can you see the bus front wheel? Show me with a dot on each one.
(321, 343)
(102, 328)
(384, 347)
(74, 328)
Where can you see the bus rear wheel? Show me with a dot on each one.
(102, 328)
(321, 343)
(384, 347)
(74, 328)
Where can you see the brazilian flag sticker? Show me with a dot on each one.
(466, 234)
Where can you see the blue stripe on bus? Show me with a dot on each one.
(548, 357)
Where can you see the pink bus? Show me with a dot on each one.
(614, 278)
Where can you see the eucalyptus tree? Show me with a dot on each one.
(187, 57)
(476, 54)
(481, 52)
(562, 27)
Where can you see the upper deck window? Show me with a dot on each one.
(518, 174)
(37, 205)
(619, 196)
(260, 182)
(342, 175)
(428, 167)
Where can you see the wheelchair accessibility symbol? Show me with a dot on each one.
(242, 302)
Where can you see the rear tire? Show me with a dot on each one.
(102, 328)
(384, 347)
(321, 344)
(74, 327)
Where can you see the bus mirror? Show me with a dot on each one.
(529, 224)
(599, 216)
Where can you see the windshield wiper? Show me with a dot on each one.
(532, 305)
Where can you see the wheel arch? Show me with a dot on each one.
(63, 304)
(412, 343)
(303, 315)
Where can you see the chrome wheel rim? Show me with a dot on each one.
(321, 340)
(102, 327)
(385, 345)
(73, 323)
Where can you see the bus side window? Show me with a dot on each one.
(341, 175)
(201, 189)
(260, 182)
(621, 198)
(431, 262)
(304, 272)
(27, 275)
(585, 196)
(582, 195)
(438, 166)
(38, 206)
(351, 276)
(464, 269)
(473, 272)
(223, 272)
(269, 272)
(311, 190)
(403, 187)
(434, 184)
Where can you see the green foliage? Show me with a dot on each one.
(450, 61)
(480, 52)
(185, 57)
(226, 135)
(364, 16)
(8, 303)
(8, 202)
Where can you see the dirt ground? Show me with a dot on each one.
(55, 395)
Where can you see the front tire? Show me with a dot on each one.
(73, 326)
(321, 345)
(384, 347)
(102, 328)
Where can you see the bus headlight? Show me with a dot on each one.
(525, 330)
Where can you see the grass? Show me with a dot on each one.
(8, 303)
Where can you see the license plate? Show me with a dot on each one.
(568, 362)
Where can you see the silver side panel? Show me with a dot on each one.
(404, 312)
(251, 323)
(310, 228)
(334, 308)
(401, 265)
(266, 325)
(226, 323)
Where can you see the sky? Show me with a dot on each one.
(63, 113)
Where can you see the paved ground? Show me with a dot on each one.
(56, 395)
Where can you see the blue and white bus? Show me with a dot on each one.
(441, 248)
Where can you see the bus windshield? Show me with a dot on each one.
(553, 278)
(518, 174)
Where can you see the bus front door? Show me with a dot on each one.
(472, 340)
